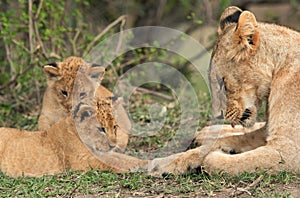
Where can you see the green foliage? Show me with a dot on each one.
(192, 16)
(294, 4)
(224, 4)
(34, 33)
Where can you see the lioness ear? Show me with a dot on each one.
(97, 73)
(51, 71)
(229, 16)
(247, 33)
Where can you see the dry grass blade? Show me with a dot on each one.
(238, 191)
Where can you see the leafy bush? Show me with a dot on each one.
(34, 33)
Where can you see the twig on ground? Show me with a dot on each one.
(241, 191)
(71, 194)
(255, 182)
(238, 191)
(147, 91)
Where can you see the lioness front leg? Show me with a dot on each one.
(231, 140)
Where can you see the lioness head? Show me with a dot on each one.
(238, 85)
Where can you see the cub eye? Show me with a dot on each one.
(65, 93)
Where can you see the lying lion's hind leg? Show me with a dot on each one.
(242, 143)
(231, 140)
(264, 157)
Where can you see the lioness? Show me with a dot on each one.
(57, 101)
(59, 148)
(250, 62)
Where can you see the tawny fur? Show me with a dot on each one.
(59, 148)
(251, 62)
(57, 102)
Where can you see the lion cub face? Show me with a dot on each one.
(57, 102)
(234, 74)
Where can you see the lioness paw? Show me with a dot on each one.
(181, 163)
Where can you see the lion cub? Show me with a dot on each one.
(60, 148)
(57, 101)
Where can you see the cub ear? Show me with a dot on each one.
(51, 70)
(247, 33)
(229, 16)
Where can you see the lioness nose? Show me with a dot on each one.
(246, 115)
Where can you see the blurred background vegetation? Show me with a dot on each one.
(36, 32)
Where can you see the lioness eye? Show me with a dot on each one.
(65, 93)
(250, 40)
(225, 88)
(82, 95)
(223, 84)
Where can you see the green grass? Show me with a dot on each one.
(104, 183)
